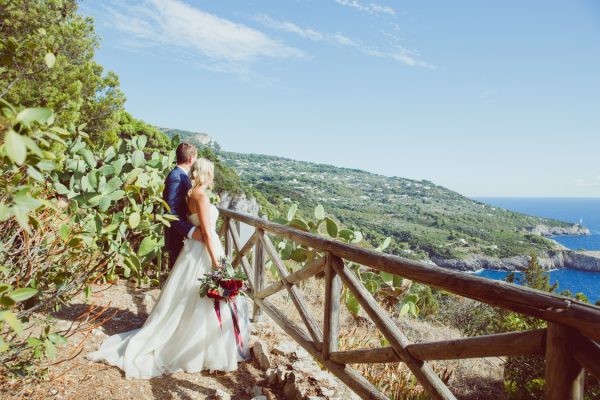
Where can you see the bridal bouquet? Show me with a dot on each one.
(223, 283)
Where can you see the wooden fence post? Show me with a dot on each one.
(259, 272)
(564, 375)
(333, 286)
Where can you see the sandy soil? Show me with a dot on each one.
(128, 306)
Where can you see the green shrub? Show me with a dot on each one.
(68, 218)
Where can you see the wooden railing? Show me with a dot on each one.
(569, 343)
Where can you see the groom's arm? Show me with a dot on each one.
(170, 196)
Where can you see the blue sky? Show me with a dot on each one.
(486, 98)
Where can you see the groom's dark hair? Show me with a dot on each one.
(184, 152)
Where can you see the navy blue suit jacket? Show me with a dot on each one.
(177, 185)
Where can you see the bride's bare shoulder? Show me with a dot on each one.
(198, 194)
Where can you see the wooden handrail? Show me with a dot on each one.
(498, 345)
(569, 342)
(524, 300)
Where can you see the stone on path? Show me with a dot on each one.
(222, 395)
(291, 388)
(259, 349)
(285, 348)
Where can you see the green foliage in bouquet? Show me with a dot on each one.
(225, 281)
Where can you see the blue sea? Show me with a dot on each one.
(575, 210)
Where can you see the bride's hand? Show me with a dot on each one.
(215, 264)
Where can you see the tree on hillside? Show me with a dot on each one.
(47, 60)
(130, 127)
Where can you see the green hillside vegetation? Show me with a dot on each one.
(47, 60)
(423, 218)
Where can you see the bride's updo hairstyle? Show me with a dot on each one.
(202, 173)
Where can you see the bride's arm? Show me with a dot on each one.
(203, 207)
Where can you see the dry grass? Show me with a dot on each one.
(470, 379)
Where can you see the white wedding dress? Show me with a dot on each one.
(183, 332)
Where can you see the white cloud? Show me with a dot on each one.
(344, 40)
(290, 27)
(371, 8)
(213, 40)
(406, 56)
(394, 51)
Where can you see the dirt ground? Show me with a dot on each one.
(121, 307)
(78, 378)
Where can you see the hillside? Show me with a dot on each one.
(424, 219)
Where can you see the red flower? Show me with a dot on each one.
(213, 294)
(231, 284)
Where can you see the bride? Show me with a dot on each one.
(183, 332)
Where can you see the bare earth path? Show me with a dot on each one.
(79, 378)
(121, 307)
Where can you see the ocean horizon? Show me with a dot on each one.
(574, 210)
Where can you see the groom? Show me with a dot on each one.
(177, 185)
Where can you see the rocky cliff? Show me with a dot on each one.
(585, 261)
(545, 230)
(239, 202)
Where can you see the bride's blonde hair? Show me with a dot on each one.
(202, 173)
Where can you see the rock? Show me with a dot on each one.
(321, 376)
(259, 398)
(302, 354)
(285, 348)
(256, 327)
(327, 392)
(222, 395)
(255, 391)
(53, 392)
(588, 261)
(271, 376)
(305, 366)
(239, 202)
(347, 394)
(549, 260)
(281, 374)
(315, 398)
(259, 349)
(545, 230)
(291, 387)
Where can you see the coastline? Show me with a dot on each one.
(560, 259)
